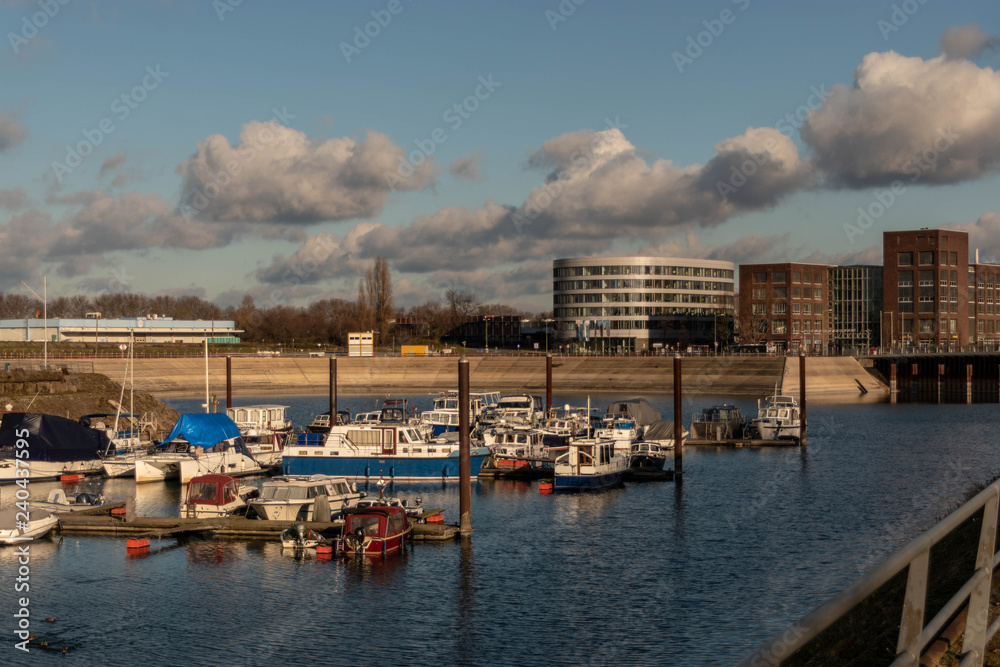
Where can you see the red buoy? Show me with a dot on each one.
(70, 478)
(137, 544)
(546, 488)
(435, 518)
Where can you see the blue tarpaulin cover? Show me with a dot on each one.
(203, 429)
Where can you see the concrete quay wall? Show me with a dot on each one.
(833, 378)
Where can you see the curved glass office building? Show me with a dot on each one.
(642, 304)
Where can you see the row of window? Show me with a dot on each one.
(642, 297)
(638, 311)
(926, 258)
(782, 293)
(782, 276)
(798, 326)
(634, 270)
(661, 325)
(625, 283)
(782, 308)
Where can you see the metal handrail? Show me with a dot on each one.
(914, 633)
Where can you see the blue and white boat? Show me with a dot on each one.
(443, 417)
(589, 465)
(391, 448)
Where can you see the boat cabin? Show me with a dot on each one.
(374, 530)
(260, 417)
(212, 495)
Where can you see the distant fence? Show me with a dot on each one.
(54, 365)
(945, 573)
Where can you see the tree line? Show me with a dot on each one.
(324, 322)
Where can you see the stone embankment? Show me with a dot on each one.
(830, 379)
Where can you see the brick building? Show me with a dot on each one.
(785, 305)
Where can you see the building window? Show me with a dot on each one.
(795, 276)
(780, 308)
(807, 293)
(780, 292)
(906, 259)
(818, 278)
(953, 258)
(780, 327)
(944, 258)
(807, 326)
(807, 308)
(953, 326)
(926, 326)
(795, 308)
(926, 257)
(796, 292)
(906, 277)
(796, 326)
(778, 277)
(759, 292)
(759, 277)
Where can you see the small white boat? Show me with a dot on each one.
(58, 501)
(293, 497)
(778, 418)
(300, 537)
(589, 465)
(17, 525)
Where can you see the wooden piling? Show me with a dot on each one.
(802, 398)
(129, 509)
(229, 382)
(465, 458)
(968, 383)
(548, 383)
(333, 391)
(678, 421)
(893, 390)
(940, 378)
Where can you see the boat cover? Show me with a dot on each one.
(637, 409)
(203, 429)
(659, 431)
(52, 438)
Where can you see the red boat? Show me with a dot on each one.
(374, 530)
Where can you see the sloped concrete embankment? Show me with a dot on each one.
(831, 379)
(290, 375)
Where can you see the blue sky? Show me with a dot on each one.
(313, 206)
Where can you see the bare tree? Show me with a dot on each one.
(378, 284)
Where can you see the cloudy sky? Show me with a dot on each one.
(220, 148)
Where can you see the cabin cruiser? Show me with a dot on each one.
(719, 422)
(517, 447)
(293, 497)
(264, 428)
(589, 464)
(778, 418)
(210, 496)
(391, 447)
(514, 409)
(36, 446)
(199, 444)
(58, 501)
(321, 422)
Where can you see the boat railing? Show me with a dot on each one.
(915, 633)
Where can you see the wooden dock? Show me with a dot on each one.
(224, 527)
(742, 442)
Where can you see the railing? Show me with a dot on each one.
(915, 634)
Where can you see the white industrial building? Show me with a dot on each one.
(95, 329)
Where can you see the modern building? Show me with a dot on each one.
(642, 304)
(785, 306)
(149, 329)
(855, 301)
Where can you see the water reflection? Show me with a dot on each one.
(468, 650)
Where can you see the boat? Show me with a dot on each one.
(517, 448)
(391, 448)
(443, 416)
(58, 501)
(648, 457)
(19, 525)
(392, 501)
(719, 422)
(294, 497)
(198, 444)
(36, 446)
(778, 418)
(639, 411)
(210, 496)
(300, 537)
(264, 428)
(374, 530)
(321, 422)
(589, 465)
(514, 409)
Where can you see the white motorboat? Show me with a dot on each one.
(589, 465)
(199, 444)
(265, 429)
(778, 418)
(293, 497)
(17, 525)
(37, 446)
(58, 501)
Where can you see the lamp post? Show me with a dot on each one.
(546, 323)
(486, 319)
(45, 317)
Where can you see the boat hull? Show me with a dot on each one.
(575, 483)
(39, 470)
(398, 468)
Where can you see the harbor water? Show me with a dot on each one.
(695, 573)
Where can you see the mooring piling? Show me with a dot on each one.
(333, 391)
(465, 459)
(548, 383)
(678, 420)
(229, 382)
(802, 398)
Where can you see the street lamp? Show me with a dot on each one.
(486, 319)
(45, 317)
(546, 323)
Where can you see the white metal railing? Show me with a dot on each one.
(915, 633)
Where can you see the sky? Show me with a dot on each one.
(231, 147)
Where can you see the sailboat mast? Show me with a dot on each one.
(208, 404)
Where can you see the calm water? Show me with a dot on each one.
(692, 574)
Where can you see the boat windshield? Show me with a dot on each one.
(202, 492)
(285, 493)
(368, 523)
